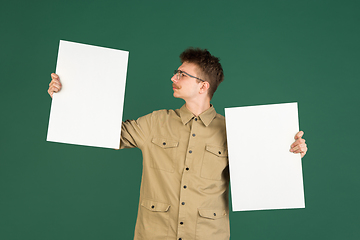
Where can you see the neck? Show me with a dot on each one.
(197, 107)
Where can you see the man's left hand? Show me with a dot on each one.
(299, 146)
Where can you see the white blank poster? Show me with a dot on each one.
(264, 174)
(88, 109)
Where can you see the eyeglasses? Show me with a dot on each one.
(180, 73)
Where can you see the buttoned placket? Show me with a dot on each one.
(185, 180)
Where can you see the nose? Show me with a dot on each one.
(173, 79)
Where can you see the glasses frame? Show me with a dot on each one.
(178, 72)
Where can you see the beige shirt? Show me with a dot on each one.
(185, 179)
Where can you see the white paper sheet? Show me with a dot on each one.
(88, 109)
(264, 174)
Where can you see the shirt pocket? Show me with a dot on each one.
(212, 224)
(155, 206)
(163, 154)
(153, 221)
(215, 160)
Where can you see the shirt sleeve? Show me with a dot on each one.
(135, 132)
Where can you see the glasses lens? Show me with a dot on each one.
(177, 73)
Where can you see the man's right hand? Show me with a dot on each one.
(54, 85)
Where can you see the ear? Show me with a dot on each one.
(204, 87)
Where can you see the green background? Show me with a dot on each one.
(272, 52)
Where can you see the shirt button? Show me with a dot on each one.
(193, 135)
(219, 152)
(181, 223)
(187, 169)
(164, 143)
(195, 119)
(152, 206)
(185, 186)
(180, 238)
(214, 214)
(190, 151)
(183, 203)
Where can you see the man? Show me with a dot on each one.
(184, 188)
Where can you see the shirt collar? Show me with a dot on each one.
(206, 117)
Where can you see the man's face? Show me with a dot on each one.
(186, 87)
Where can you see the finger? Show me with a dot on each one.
(299, 148)
(51, 90)
(55, 85)
(55, 81)
(297, 142)
(50, 93)
(303, 149)
(303, 153)
(299, 135)
(294, 149)
(54, 88)
(54, 76)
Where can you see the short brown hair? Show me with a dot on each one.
(209, 65)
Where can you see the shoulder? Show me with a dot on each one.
(163, 112)
(218, 121)
(159, 114)
(220, 117)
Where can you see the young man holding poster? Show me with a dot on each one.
(185, 179)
